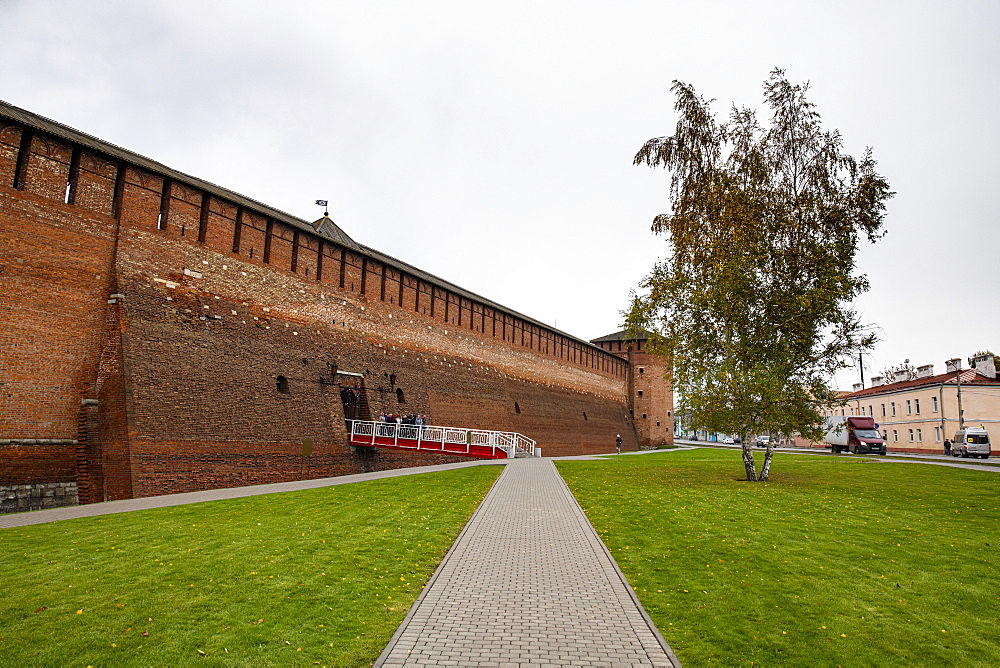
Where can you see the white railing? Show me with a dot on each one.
(432, 437)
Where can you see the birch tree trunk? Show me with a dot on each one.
(748, 459)
(766, 468)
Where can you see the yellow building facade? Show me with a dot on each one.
(918, 414)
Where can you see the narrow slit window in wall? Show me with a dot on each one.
(400, 397)
(282, 384)
(517, 408)
(161, 220)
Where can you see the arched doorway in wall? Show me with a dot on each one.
(352, 407)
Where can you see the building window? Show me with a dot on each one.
(895, 436)
(517, 408)
(282, 384)
(871, 411)
(909, 408)
(643, 416)
(584, 416)
(657, 423)
(642, 370)
(937, 434)
(911, 435)
(934, 404)
(852, 411)
(400, 397)
(920, 436)
(883, 410)
(640, 394)
(885, 435)
(892, 408)
(916, 406)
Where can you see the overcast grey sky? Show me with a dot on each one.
(491, 143)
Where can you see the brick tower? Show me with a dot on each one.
(650, 394)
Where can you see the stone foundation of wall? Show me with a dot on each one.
(38, 496)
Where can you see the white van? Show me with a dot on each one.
(971, 442)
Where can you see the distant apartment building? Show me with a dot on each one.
(918, 414)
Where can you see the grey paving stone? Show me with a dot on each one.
(528, 582)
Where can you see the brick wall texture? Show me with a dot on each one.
(147, 318)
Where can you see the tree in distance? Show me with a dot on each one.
(752, 306)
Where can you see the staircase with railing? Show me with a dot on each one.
(479, 443)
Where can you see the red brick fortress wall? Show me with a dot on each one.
(147, 318)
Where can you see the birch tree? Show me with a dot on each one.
(752, 305)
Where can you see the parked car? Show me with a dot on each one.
(728, 441)
(971, 442)
(763, 440)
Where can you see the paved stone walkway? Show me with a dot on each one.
(528, 583)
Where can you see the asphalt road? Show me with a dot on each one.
(992, 465)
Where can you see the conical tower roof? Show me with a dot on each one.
(325, 227)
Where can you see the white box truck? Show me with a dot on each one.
(854, 433)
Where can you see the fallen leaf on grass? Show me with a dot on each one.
(41, 608)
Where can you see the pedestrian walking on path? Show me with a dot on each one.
(528, 582)
(618, 443)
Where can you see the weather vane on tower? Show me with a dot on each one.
(323, 203)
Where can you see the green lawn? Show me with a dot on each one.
(318, 576)
(834, 562)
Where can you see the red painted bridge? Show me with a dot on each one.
(478, 443)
